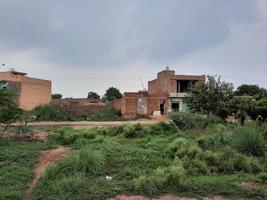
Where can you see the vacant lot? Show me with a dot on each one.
(150, 160)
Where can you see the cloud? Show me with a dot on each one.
(125, 38)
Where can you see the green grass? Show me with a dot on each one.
(146, 160)
(17, 160)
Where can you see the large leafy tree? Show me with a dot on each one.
(112, 93)
(251, 90)
(212, 97)
(93, 95)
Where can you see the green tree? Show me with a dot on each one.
(56, 96)
(251, 90)
(8, 107)
(212, 97)
(93, 95)
(112, 93)
(259, 108)
(239, 107)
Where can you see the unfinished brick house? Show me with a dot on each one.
(31, 91)
(165, 94)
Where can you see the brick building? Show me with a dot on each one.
(31, 91)
(165, 94)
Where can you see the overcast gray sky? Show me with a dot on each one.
(90, 45)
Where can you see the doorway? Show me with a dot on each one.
(162, 108)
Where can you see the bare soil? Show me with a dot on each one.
(46, 157)
(39, 136)
(166, 197)
(253, 185)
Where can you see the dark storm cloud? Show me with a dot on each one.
(112, 32)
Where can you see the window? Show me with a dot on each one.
(175, 107)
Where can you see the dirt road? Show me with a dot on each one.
(91, 124)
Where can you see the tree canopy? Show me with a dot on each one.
(8, 107)
(251, 90)
(56, 96)
(112, 93)
(212, 97)
(93, 95)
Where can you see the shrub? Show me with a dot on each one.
(51, 112)
(107, 114)
(249, 140)
(90, 162)
(146, 184)
(262, 177)
(160, 179)
(232, 161)
(131, 131)
(219, 137)
(176, 173)
(187, 121)
(161, 128)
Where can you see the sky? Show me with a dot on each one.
(90, 45)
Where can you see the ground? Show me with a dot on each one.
(24, 160)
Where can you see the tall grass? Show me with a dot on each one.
(250, 140)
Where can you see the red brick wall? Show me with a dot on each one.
(116, 104)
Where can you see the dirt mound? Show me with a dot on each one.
(46, 157)
(167, 197)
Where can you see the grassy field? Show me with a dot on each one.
(17, 161)
(151, 160)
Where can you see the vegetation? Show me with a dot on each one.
(156, 159)
(93, 95)
(57, 96)
(211, 97)
(108, 114)
(17, 160)
(51, 112)
(251, 90)
(8, 107)
(112, 93)
(217, 97)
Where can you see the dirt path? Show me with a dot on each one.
(46, 157)
(91, 124)
(166, 197)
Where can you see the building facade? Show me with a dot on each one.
(165, 94)
(31, 92)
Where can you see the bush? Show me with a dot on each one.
(107, 114)
(219, 137)
(160, 179)
(161, 128)
(90, 162)
(131, 131)
(51, 112)
(187, 121)
(262, 177)
(197, 161)
(249, 140)
(69, 136)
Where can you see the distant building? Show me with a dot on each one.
(31, 92)
(165, 94)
